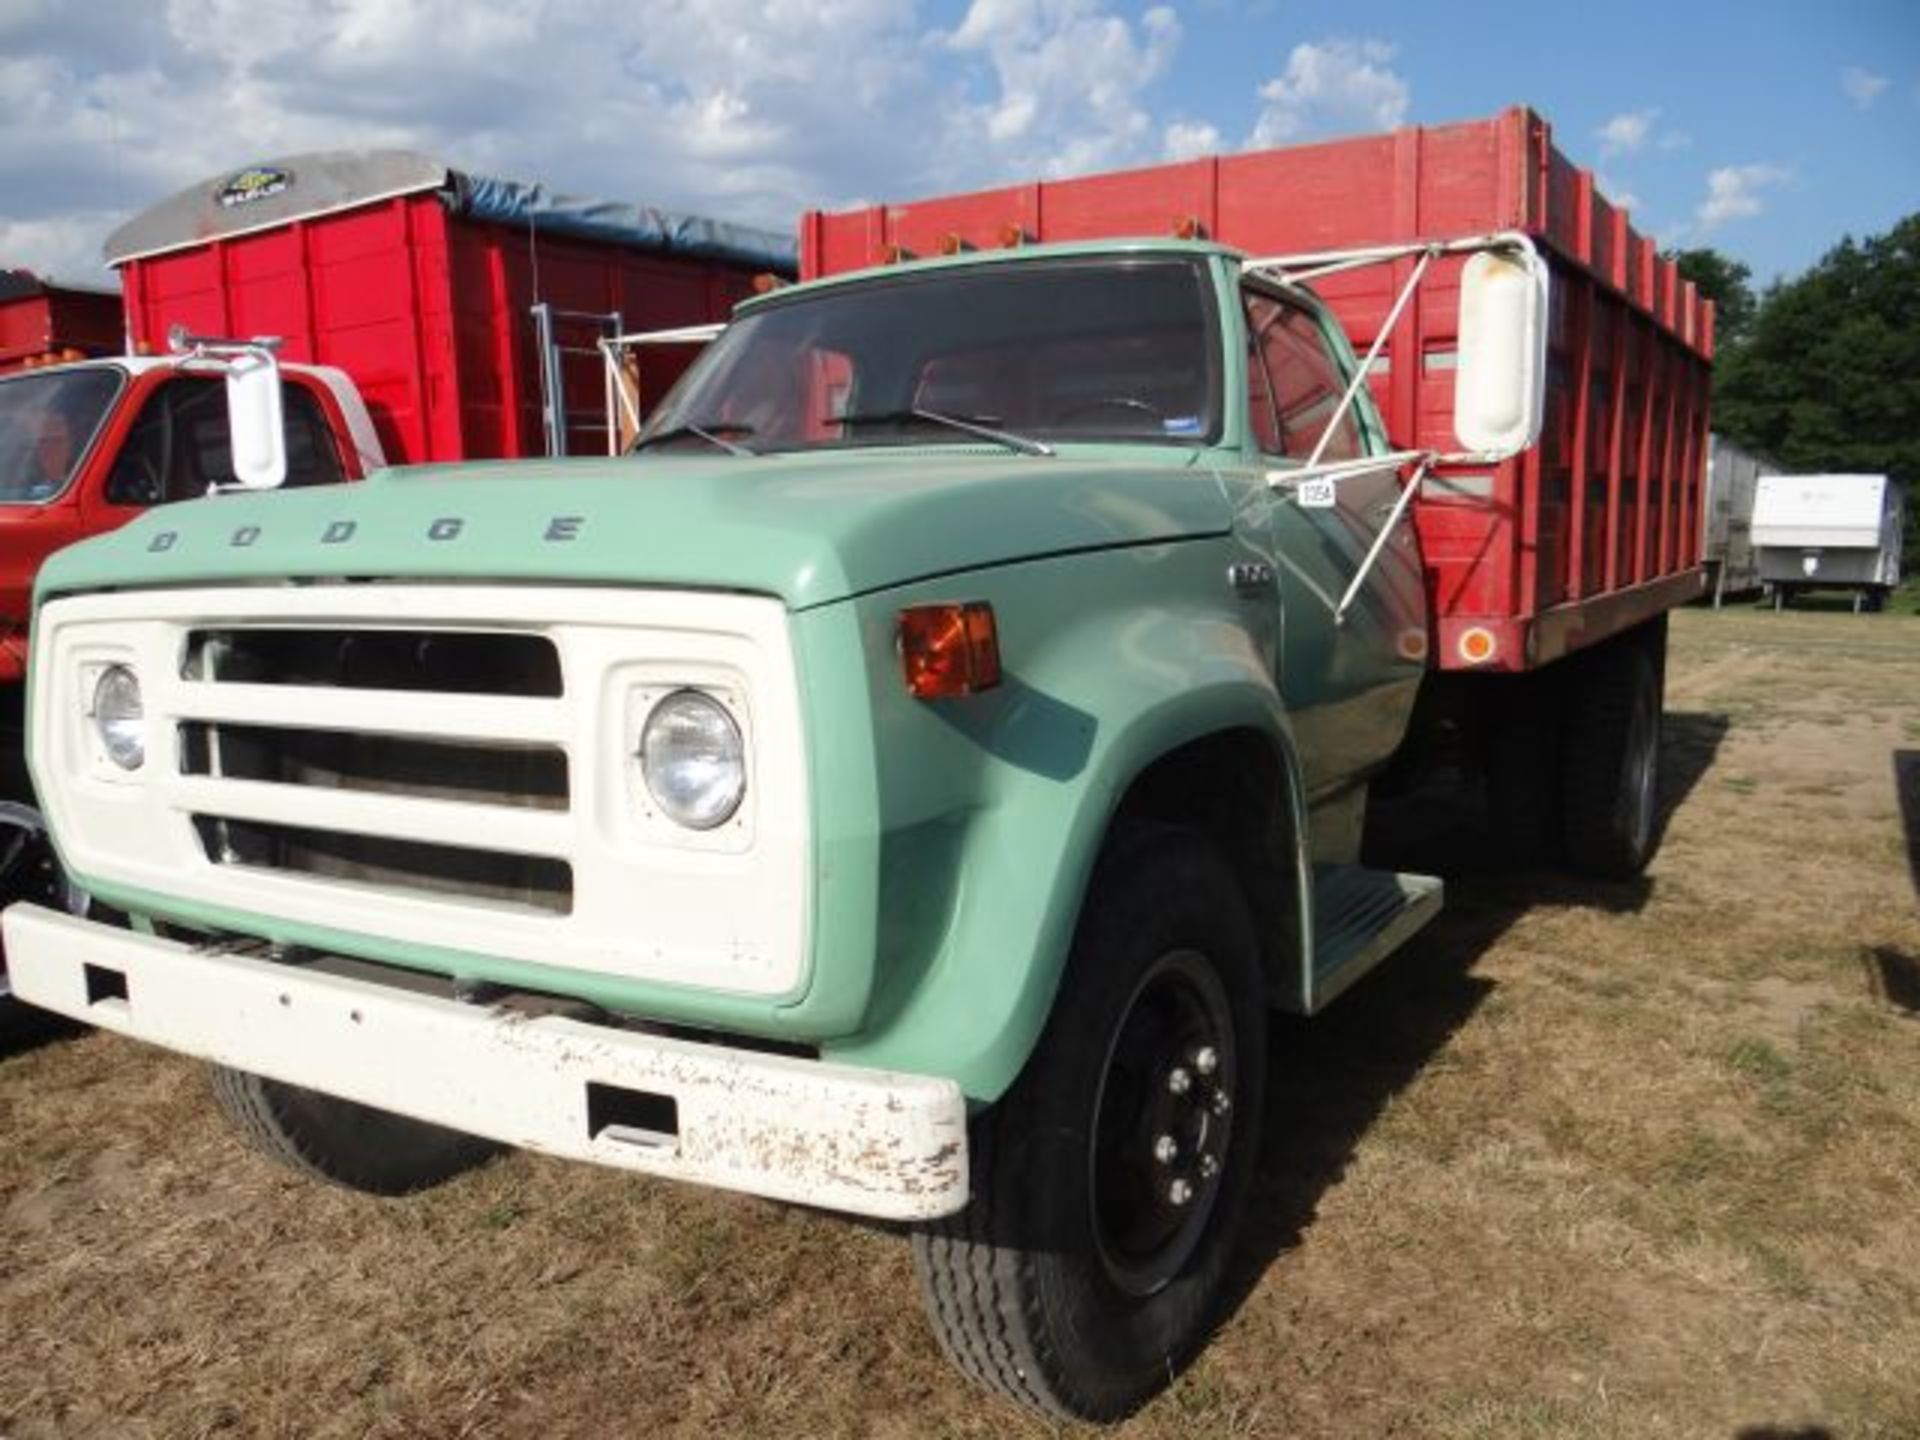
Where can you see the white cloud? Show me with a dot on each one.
(1338, 86)
(1861, 86)
(1735, 192)
(1632, 131)
(748, 109)
(1189, 139)
(62, 247)
(1068, 78)
(1627, 132)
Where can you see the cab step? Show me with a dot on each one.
(1361, 916)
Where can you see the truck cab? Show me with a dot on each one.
(86, 447)
(903, 784)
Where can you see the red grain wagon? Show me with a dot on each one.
(1589, 533)
(466, 309)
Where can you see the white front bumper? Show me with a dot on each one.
(869, 1142)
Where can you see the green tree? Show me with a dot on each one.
(1724, 281)
(1828, 377)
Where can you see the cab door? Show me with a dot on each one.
(177, 446)
(1348, 682)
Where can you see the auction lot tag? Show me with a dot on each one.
(1316, 494)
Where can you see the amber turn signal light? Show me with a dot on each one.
(949, 650)
(1477, 645)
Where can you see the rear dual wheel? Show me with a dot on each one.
(1573, 757)
(1610, 766)
(1109, 1183)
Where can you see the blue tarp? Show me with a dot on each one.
(513, 202)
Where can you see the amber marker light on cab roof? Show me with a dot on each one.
(949, 650)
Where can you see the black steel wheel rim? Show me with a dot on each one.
(1163, 1123)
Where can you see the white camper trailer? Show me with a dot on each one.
(1814, 532)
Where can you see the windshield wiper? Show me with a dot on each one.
(972, 425)
(713, 432)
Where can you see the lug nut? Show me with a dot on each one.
(1206, 1060)
(1166, 1149)
(1179, 1192)
(1179, 1081)
(1222, 1102)
(1209, 1167)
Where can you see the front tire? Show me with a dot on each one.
(1109, 1183)
(348, 1144)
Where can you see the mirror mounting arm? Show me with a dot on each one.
(1365, 367)
(186, 347)
(1407, 492)
(1511, 246)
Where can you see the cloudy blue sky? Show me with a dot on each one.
(1768, 128)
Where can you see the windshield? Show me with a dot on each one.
(46, 423)
(1116, 348)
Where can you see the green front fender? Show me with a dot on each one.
(993, 808)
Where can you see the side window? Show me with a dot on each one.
(312, 456)
(1262, 413)
(1304, 382)
(179, 447)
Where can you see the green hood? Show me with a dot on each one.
(809, 528)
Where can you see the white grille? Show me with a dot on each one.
(438, 766)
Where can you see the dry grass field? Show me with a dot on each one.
(1635, 1160)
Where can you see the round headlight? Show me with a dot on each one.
(693, 760)
(118, 717)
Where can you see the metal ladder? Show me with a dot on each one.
(565, 339)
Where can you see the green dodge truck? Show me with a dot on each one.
(902, 786)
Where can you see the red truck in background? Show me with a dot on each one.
(1552, 571)
(85, 447)
(426, 314)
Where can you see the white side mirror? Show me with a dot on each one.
(255, 424)
(1500, 385)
